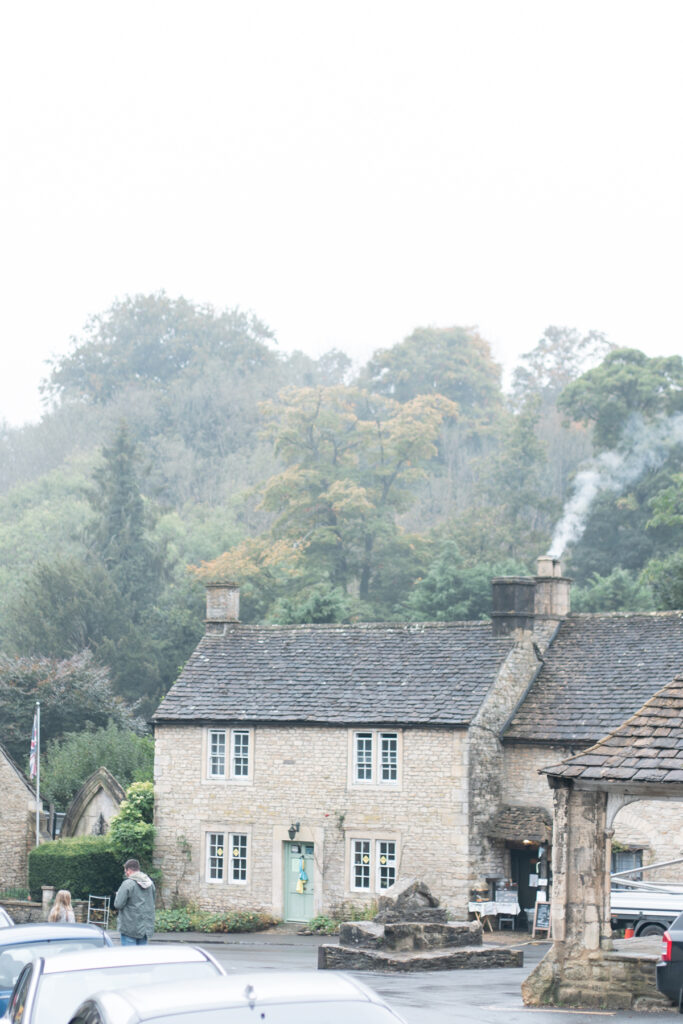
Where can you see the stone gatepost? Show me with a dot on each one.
(47, 899)
(573, 972)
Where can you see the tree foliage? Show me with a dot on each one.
(71, 759)
(626, 382)
(131, 832)
(74, 693)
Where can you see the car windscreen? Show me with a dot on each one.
(13, 958)
(286, 1013)
(59, 995)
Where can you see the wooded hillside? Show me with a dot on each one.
(176, 436)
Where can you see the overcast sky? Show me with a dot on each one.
(348, 171)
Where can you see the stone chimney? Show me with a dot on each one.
(513, 604)
(222, 606)
(552, 589)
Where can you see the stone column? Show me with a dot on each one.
(48, 899)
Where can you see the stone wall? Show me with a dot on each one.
(302, 774)
(655, 826)
(486, 760)
(17, 826)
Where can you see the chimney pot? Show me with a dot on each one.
(552, 589)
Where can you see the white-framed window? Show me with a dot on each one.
(239, 753)
(215, 856)
(238, 857)
(216, 753)
(229, 754)
(375, 757)
(373, 864)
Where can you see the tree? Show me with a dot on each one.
(450, 361)
(72, 758)
(561, 355)
(73, 693)
(119, 531)
(620, 591)
(451, 590)
(151, 340)
(351, 463)
(626, 383)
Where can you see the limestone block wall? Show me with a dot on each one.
(655, 826)
(17, 826)
(303, 774)
(486, 759)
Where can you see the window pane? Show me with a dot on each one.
(386, 864)
(240, 752)
(238, 857)
(363, 756)
(361, 864)
(389, 748)
(217, 753)
(216, 856)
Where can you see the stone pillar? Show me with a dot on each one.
(573, 971)
(48, 899)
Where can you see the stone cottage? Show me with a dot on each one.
(17, 823)
(300, 769)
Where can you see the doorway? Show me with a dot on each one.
(523, 864)
(298, 881)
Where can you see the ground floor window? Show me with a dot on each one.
(373, 864)
(215, 849)
(227, 857)
(626, 860)
(238, 860)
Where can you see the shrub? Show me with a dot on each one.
(131, 831)
(323, 925)
(191, 919)
(85, 865)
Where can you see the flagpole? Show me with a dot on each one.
(37, 773)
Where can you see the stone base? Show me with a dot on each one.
(335, 957)
(597, 980)
(405, 936)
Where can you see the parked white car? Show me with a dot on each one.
(5, 918)
(50, 988)
(278, 997)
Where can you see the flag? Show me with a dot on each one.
(33, 759)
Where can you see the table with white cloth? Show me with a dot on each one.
(484, 910)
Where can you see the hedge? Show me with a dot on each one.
(85, 865)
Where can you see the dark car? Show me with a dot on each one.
(670, 967)
(22, 942)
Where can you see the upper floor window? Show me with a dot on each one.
(375, 757)
(234, 744)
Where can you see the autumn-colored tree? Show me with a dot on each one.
(351, 463)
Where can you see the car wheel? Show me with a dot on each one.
(651, 929)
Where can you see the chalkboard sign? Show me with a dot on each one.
(541, 919)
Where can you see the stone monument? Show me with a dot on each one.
(411, 932)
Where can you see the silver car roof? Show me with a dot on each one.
(141, 1002)
(124, 956)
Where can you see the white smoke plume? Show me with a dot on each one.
(641, 447)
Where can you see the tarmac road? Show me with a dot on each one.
(485, 996)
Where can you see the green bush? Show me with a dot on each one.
(323, 925)
(85, 865)
(131, 831)
(190, 919)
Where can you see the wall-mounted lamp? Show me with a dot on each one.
(293, 829)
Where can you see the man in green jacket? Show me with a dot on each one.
(135, 904)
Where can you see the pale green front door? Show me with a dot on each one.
(298, 881)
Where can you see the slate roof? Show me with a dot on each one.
(648, 748)
(599, 670)
(369, 673)
(513, 822)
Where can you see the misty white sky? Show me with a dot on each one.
(348, 171)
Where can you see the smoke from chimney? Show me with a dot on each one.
(642, 446)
